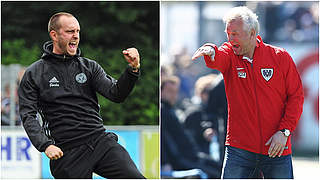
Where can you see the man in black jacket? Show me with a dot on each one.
(62, 87)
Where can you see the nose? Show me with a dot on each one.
(76, 35)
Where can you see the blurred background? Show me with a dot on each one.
(184, 27)
(106, 29)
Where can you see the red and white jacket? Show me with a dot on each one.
(264, 95)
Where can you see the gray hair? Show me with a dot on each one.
(249, 18)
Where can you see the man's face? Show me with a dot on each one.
(68, 36)
(238, 37)
(170, 92)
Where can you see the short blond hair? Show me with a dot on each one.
(169, 79)
(54, 21)
(203, 83)
(249, 18)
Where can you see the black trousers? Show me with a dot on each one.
(103, 156)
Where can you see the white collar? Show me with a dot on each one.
(248, 59)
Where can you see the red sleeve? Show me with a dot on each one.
(294, 90)
(221, 59)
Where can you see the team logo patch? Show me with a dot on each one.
(267, 73)
(81, 78)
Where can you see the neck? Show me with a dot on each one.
(56, 51)
(251, 50)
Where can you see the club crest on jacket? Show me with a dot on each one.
(81, 78)
(267, 73)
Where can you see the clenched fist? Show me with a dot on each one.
(53, 152)
(132, 56)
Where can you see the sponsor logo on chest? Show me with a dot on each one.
(54, 82)
(241, 73)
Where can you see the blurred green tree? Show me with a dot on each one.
(106, 29)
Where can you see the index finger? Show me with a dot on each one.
(125, 52)
(276, 150)
(197, 54)
(60, 153)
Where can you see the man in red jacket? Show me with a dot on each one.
(265, 99)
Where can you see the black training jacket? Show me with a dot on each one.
(63, 90)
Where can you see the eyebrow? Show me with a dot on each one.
(234, 31)
(72, 29)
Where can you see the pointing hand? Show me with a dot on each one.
(203, 50)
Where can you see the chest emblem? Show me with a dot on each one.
(54, 82)
(81, 78)
(241, 73)
(267, 73)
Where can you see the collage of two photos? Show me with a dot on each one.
(159, 89)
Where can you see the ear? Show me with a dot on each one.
(253, 33)
(53, 35)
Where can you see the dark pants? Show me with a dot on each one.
(104, 156)
(242, 164)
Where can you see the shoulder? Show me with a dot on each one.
(278, 51)
(281, 55)
(33, 73)
(193, 111)
(35, 67)
(89, 64)
(87, 61)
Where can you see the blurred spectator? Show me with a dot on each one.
(201, 123)
(5, 108)
(5, 102)
(178, 151)
(217, 104)
(185, 70)
(165, 71)
(292, 21)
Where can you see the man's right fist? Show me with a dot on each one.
(53, 152)
(203, 50)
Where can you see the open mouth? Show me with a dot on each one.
(236, 46)
(73, 45)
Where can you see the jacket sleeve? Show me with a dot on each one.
(221, 60)
(28, 106)
(294, 90)
(112, 89)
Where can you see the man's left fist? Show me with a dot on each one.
(132, 56)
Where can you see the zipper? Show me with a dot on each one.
(66, 64)
(257, 105)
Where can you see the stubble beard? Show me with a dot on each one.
(63, 47)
